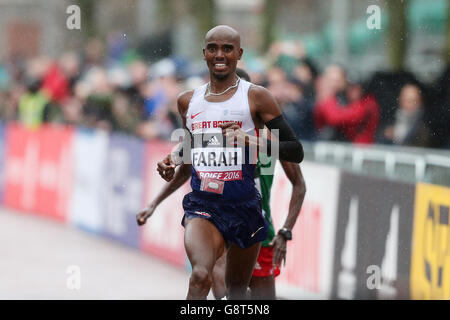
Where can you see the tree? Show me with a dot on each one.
(87, 8)
(269, 18)
(203, 12)
(397, 39)
(447, 46)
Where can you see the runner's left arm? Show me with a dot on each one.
(268, 110)
(265, 109)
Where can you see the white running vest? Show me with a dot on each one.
(215, 161)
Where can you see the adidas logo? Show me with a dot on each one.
(213, 141)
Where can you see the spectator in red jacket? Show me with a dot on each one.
(342, 111)
(55, 84)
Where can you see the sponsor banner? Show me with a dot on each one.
(123, 185)
(308, 270)
(2, 159)
(373, 239)
(163, 233)
(430, 262)
(38, 169)
(87, 203)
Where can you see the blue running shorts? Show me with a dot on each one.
(239, 221)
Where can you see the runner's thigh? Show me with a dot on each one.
(203, 242)
(240, 264)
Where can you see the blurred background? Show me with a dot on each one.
(122, 66)
(364, 83)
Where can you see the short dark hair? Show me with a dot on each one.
(241, 73)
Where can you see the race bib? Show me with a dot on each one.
(224, 164)
(212, 185)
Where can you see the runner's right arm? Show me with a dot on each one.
(166, 167)
(180, 177)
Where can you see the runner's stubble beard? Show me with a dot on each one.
(220, 77)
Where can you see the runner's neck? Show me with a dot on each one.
(216, 86)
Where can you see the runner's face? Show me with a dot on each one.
(221, 55)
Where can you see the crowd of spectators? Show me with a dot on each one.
(118, 91)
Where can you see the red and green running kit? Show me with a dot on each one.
(264, 185)
(264, 266)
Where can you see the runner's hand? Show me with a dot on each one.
(234, 133)
(166, 168)
(144, 214)
(279, 250)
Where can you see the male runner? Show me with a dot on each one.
(224, 208)
(273, 250)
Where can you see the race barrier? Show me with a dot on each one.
(309, 261)
(38, 170)
(86, 204)
(430, 263)
(123, 188)
(357, 237)
(373, 239)
(2, 159)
